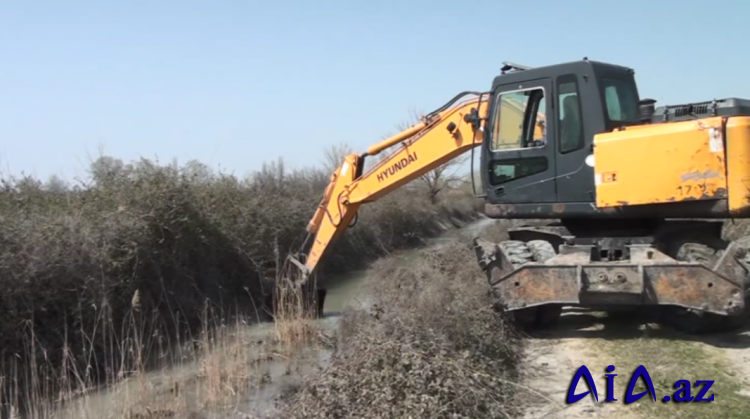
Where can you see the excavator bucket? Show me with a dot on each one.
(296, 270)
(296, 290)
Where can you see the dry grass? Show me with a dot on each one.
(295, 314)
(150, 376)
(295, 322)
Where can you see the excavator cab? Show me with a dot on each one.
(628, 193)
(538, 148)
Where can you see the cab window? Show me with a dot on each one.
(503, 171)
(569, 115)
(620, 99)
(520, 120)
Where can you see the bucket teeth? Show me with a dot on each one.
(303, 272)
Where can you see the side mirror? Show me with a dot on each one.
(473, 118)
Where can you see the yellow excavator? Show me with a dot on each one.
(635, 196)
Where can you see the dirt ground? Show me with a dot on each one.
(596, 340)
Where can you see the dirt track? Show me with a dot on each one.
(594, 340)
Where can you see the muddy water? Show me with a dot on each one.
(342, 291)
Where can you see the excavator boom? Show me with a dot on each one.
(440, 137)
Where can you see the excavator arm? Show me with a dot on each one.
(440, 137)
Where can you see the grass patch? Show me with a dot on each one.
(671, 356)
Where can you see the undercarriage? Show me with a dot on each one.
(681, 271)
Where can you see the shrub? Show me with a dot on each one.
(146, 246)
(430, 346)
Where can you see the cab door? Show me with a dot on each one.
(576, 124)
(518, 158)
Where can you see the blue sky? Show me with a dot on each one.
(237, 83)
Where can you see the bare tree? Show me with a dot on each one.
(198, 172)
(106, 171)
(271, 176)
(442, 177)
(56, 185)
(334, 155)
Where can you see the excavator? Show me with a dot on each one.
(623, 202)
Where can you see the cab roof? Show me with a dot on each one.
(582, 67)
